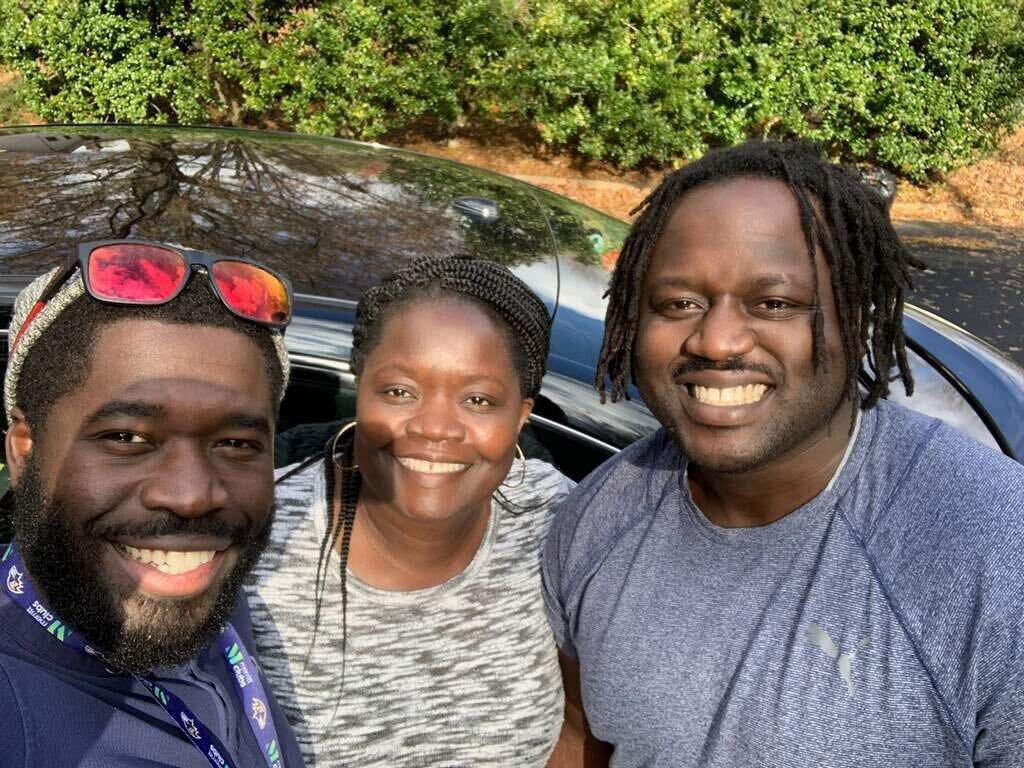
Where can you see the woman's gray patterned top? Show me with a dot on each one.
(461, 674)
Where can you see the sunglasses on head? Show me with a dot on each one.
(141, 272)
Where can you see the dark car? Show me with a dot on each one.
(336, 216)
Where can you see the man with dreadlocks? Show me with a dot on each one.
(793, 571)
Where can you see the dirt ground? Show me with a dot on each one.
(990, 192)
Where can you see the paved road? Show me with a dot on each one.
(975, 278)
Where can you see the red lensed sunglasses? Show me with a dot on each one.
(141, 272)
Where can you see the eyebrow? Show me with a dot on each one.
(132, 408)
(141, 410)
(771, 281)
(244, 421)
(401, 368)
(760, 282)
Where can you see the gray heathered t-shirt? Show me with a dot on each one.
(879, 625)
(461, 674)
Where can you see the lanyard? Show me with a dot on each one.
(244, 673)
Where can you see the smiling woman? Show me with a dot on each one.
(422, 532)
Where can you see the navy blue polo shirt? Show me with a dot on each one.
(63, 707)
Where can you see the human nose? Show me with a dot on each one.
(723, 332)
(437, 421)
(185, 484)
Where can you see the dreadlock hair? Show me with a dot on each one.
(517, 312)
(839, 213)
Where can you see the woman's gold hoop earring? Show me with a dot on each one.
(522, 475)
(334, 446)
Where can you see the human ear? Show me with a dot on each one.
(524, 411)
(18, 445)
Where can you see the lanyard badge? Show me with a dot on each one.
(248, 685)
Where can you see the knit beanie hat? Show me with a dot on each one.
(69, 292)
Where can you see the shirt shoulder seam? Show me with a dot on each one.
(904, 625)
(609, 542)
(926, 440)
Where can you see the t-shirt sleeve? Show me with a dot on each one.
(999, 740)
(588, 523)
(544, 491)
(552, 572)
(946, 546)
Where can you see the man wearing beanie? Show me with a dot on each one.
(141, 393)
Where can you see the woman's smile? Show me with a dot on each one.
(431, 467)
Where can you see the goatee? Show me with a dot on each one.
(135, 633)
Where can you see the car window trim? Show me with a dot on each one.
(955, 382)
(582, 437)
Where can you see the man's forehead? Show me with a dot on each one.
(763, 203)
(152, 361)
(757, 220)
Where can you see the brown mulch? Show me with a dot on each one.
(990, 192)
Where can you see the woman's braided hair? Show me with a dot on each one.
(517, 311)
(491, 286)
(869, 265)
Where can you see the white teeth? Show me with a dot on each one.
(742, 395)
(430, 467)
(170, 561)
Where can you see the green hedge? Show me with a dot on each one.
(919, 86)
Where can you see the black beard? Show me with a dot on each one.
(63, 563)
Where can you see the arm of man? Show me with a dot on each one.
(577, 747)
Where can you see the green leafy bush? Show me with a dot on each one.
(95, 60)
(916, 85)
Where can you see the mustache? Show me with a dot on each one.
(697, 364)
(171, 525)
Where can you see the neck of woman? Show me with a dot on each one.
(393, 552)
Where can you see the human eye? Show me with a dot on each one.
(679, 306)
(239, 447)
(124, 441)
(778, 307)
(124, 437)
(481, 402)
(397, 392)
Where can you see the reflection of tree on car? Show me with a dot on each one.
(516, 236)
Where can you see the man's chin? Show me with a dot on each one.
(724, 451)
(165, 632)
(138, 630)
(727, 463)
(91, 592)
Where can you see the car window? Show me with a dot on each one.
(935, 396)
